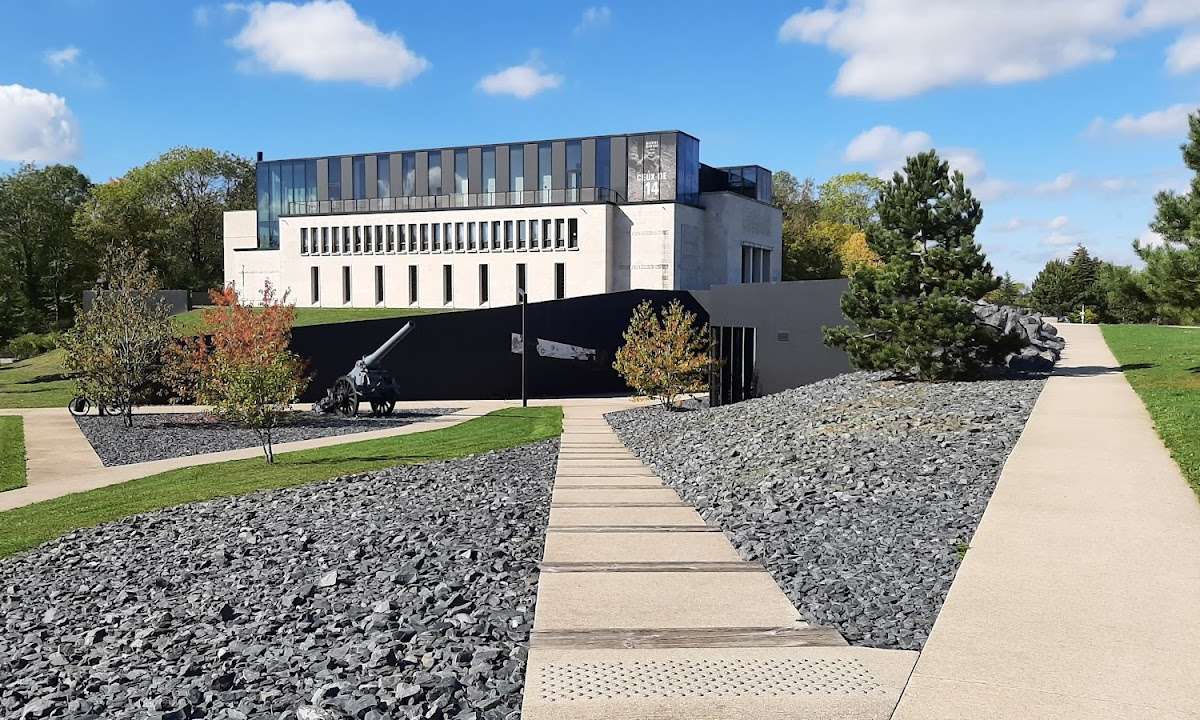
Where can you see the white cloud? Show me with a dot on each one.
(200, 16)
(1013, 225)
(522, 81)
(1168, 121)
(1116, 184)
(1184, 54)
(886, 148)
(900, 48)
(1057, 238)
(1057, 223)
(59, 59)
(1062, 183)
(35, 126)
(325, 40)
(1149, 238)
(594, 17)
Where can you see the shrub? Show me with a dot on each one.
(665, 354)
(30, 344)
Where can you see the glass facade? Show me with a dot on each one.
(516, 169)
(460, 172)
(650, 167)
(489, 176)
(383, 180)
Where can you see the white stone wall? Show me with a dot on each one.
(731, 221)
(586, 267)
(656, 246)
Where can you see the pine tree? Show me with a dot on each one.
(1172, 276)
(908, 315)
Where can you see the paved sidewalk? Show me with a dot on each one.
(1079, 597)
(644, 611)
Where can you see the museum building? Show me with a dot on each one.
(472, 226)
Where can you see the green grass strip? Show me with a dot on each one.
(12, 452)
(32, 525)
(1163, 366)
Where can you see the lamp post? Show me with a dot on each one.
(524, 348)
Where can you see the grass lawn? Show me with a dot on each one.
(40, 381)
(188, 323)
(12, 453)
(1163, 366)
(29, 526)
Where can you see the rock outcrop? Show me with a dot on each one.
(1029, 342)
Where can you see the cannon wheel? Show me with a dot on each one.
(382, 407)
(347, 397)
(79, 405)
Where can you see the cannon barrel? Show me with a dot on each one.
(390, 344)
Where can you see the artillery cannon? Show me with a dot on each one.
(366, 381)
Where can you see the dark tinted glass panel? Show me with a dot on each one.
(516, 168)
(310, 176)
(335, 179)
(435, 173)
(574, 164)
(489, 170)
(545, 171)
(383, 178)
(360, 177)
(263, 185)
(409, 163)
(603, 163)
(460, 172)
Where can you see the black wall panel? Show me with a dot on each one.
(468, 355)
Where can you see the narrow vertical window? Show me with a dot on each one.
(574, 169)
(379, 238)
(547, 238)
(424, 237)
(412, 237)
(315, 281)
(489, 176)
(357, 239)
(484, 236)
(508, 234)
(346, 239)
(533, 234)
(447, 284)
(460, 173)
(346, 284)
(521, 281)
(368, 240)
(560, 281)
(483, 284)
(359, 166)
(303, 241)
(520, 234)
(516, 173)
(408, 168)
(437, 237)
(391, 239)
(559, 238)
(435, 173)
(412, 284)
(572, 233)
(458, 237)
(336, 240)
(335, 179)
(470, 237)
(325, 241)
(496, 235)
(447, 242)
(383, 180)
(545, 174)
(378, 284)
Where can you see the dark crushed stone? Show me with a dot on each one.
(857, 493)
(157, 436)
(404, 593)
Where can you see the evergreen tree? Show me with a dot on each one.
(1055, 289)
(1009, 292)
(1172, 275)
(907, 314)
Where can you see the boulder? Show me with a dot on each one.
(1028, 341)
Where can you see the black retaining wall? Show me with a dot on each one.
(468, 354)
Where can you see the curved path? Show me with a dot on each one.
(1079, 597)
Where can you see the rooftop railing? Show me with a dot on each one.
(564, 196)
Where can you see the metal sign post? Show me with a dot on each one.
(524, 350)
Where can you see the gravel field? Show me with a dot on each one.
(156, 436)
(857, 493)
(404, 593)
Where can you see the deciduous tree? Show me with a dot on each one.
(173, 206)
(665, 354)
(117, 345)
(244, 368)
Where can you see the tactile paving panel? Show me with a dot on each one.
(729, 677)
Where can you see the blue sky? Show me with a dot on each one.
(1065, 115)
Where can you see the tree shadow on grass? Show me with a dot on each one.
(397, 459)
(1095, 370)
(56, 377)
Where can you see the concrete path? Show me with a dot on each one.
(644, 611)
(1079, 597)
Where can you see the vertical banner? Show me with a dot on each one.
(666, 166)
(634, 191)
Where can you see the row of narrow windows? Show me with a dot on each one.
(482, 236)
(560, 284)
